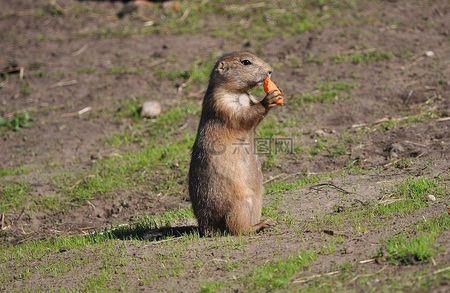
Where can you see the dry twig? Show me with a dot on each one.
(441, 270)
(368, 275)
(79, 51)
(366, 261)
(65, 83)
(307, 279)
(329, 184)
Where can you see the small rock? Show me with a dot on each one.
(150, 109)
(431, 197)
(347, 250)
(395, 150)
(429, 53)
(324, 132)
(320, 132)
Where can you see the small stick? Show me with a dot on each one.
(368, 275)
(443, 119)
(156, 63)
(79, 51)
(335, 233)
(21, 214)
(441, 270)
(185, 15)
(81, 180)
(91, 204)
(183, 85)
(367, 261)
(273, 178)
(359, 125)
(84, 110)
(389, 201)
(307, 279)
(65, 83)
(331, 185)
(149, 23)
(164, 240)
(294, 174)
(416, 144)
(21, 71)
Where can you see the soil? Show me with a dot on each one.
(58, 140)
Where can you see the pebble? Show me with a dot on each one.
(150, 109)
(395, 150)
(431, 197)
(429, 53)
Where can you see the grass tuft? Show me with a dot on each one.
(408, 249)
(38, 248)
(325, 92)
(17, 121)
(373, 55)
(211, 287)
(13, 195)
(276, 275)
(407, 197)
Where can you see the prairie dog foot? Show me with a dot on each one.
(264, 224)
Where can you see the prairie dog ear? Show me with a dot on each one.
(222, 67)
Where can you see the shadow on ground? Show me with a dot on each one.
(155, 234)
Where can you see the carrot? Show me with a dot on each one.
(269, 86)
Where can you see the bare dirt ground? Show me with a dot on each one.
(367, 86)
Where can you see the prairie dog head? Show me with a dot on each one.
(239, 71)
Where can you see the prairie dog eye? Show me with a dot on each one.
(246, 62)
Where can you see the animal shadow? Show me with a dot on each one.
(155, 234)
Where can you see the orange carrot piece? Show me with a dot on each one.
(270, 86)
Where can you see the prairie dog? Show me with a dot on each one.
(225, 178)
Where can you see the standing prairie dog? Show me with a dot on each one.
(225, 178)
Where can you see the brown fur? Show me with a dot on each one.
(225, 179)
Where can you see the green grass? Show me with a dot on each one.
(17, 121)
(159, 151)
(282, 187)
(147, 132)
(38, 248)
(129, 108)
(275, 275)
(410, 195)
(223, 20)
(13, 195)
(373, 55)
(405, 198)
(324, 93)
(269, 129)
(129, 169)
(13, 171)
(408, 120)
(370, 281)
(406, 248)
(211, 287)
(275, 193)
(197, 73)
(112, 260)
